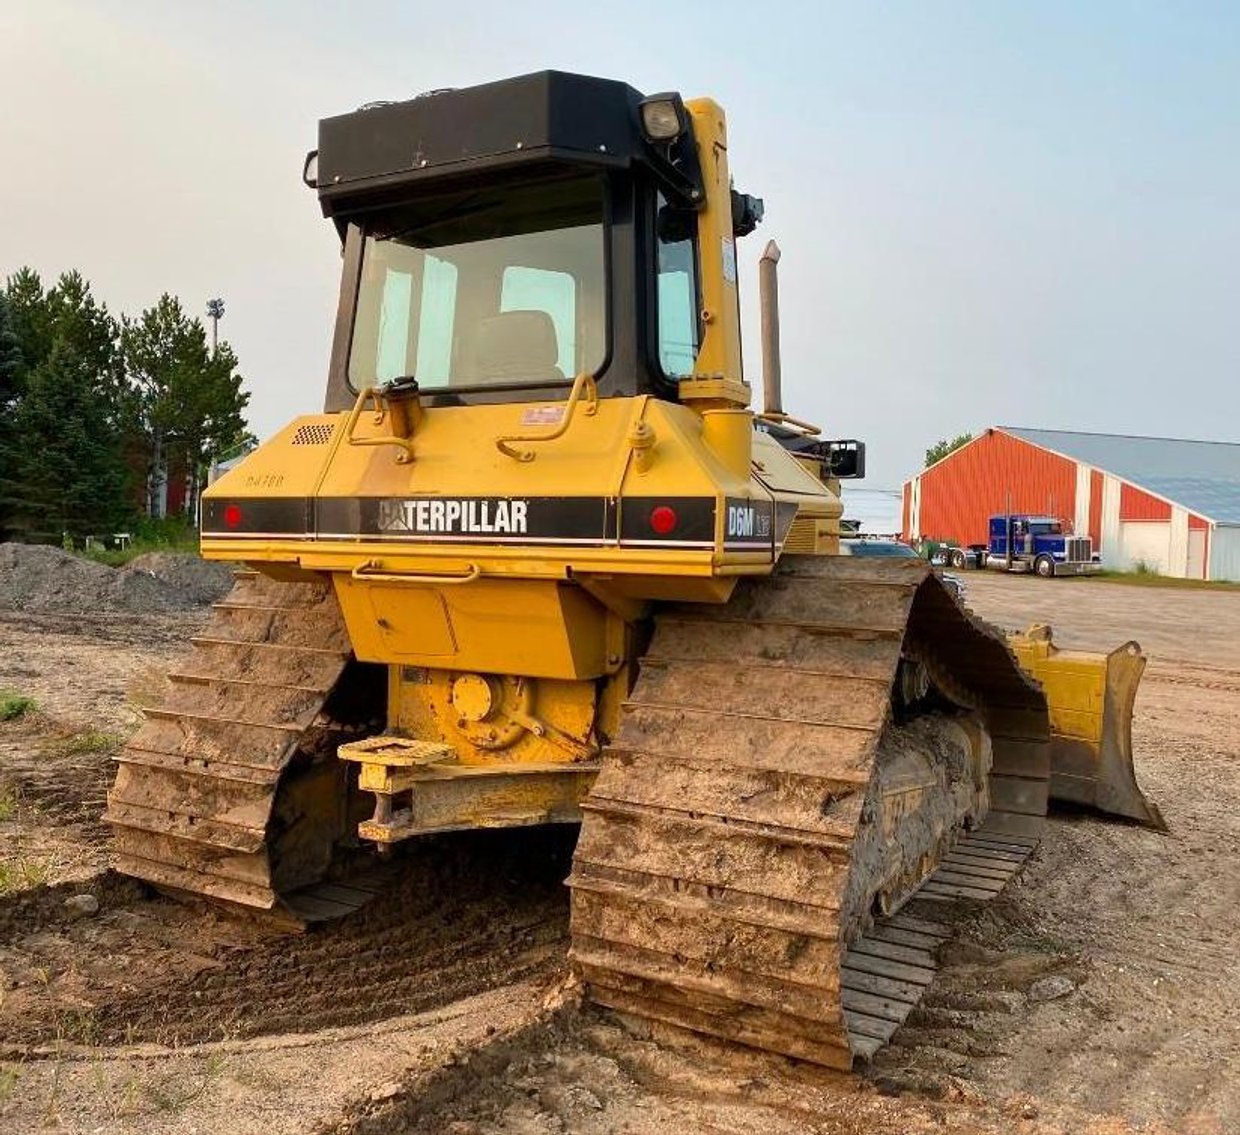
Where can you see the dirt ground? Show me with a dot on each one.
(446, 1007)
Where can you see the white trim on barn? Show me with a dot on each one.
(1198, 564)
(1084, 488)
(1112, 540)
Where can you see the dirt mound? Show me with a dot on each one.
(37, 577)
(202, 581)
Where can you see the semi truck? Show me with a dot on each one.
(1038, 544)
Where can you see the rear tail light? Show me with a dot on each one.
(663, 519)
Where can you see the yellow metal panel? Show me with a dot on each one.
(497, 626)
(1074, 683)
(456, 454)
(289, 464)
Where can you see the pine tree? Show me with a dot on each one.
(12, 362)
(66, 471)
(83, 400)
(190, 403)
(62, 468)
(29, 316)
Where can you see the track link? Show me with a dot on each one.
(229, 789)
(727, 858)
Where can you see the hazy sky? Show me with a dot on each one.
(990, 213)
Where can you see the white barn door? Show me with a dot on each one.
(1196, 553)
(1146, 542)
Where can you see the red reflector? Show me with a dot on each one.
(663, 519)
(232, 515)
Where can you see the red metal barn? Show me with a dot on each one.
(1169, 504)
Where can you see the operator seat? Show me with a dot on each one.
(518, 345)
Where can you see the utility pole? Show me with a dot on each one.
(215, 312)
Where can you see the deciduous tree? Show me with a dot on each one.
(942, 448)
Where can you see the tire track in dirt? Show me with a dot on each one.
(469, 912)
(69, 793)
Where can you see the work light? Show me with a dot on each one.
(663, 117)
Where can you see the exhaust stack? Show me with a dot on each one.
(768, 293)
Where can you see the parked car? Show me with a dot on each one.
(870, 546)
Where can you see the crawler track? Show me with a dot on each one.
(735, 841)
(231, 788)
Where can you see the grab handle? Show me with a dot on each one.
(368, 573)
(401, 423)
(584, 382)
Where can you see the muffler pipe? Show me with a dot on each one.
(768, 299)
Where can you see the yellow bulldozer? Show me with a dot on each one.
(538, 561)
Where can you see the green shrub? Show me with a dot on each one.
(171, 534)
(14, 705)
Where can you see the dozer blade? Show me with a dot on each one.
(763, 814)
(1091, 698)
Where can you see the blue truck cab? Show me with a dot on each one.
(1039, 544)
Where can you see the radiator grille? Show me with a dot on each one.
(1079, 549)
(803, 536)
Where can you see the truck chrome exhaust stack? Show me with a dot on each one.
(768, 292)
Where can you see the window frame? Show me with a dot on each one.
(670, 382)
(351, 281)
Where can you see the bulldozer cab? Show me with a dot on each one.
(502, 240)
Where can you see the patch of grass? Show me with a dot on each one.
(173, 1093)
(78, 1026)
(87, 741)
(8, 804)
(1148, 578)
(14, 705)
(172, 534)
(9, 1075)
(131, 1092)
(22, 873)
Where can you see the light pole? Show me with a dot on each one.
(215, 312)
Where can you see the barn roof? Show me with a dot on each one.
(1201, 476)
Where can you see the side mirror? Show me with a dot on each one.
(845, 459)
(675, 223)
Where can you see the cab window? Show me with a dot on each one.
(504, 287)
(676, 243)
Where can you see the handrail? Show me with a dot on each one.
(379, 397)
(365, 573)
(583, 381)
(782, 419)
